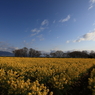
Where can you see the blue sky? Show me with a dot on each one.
(47, 24)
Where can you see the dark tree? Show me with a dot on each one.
(25, 52)
(18, 53)
(34, 53)
(46, 55)
(31, 52)
(37, 53)
(53, 54)
(92, 54)
(75, 54)
(84, 54)
(59, 53)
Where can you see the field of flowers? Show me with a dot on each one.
(47, 76)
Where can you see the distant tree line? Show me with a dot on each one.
(25, 52)
(73, 54)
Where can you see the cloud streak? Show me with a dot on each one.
(67, 41)
(86, 37)
(36, 31)
(65, 19)
(91, 4)
(6, 47)
(45, 22)
(40, 37)
(92, 1)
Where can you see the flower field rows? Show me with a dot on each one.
(44, 76)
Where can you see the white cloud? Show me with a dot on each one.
(86, 37)
(92, 1)
(45, 22)
(66, 19)
(91, 4)
(10, 49)
(36, 31)
(67, 41)
(7, 47)
(42, 28)
(40, 37)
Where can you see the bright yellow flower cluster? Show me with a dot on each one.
(16, 85)
(39, 76)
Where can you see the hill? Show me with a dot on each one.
(6, 53)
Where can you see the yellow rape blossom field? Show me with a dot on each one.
(47, 76)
